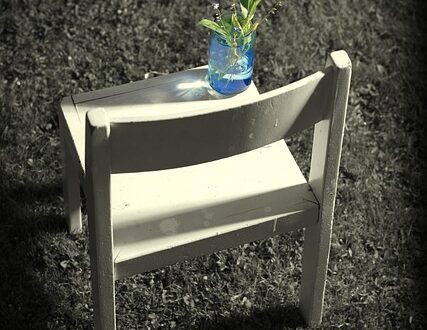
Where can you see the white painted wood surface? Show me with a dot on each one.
(170, 135)
(99, 219)
(143, 220)
(157, 212)
(71, 183)
(173, 92)
(73, 135)
(328, 136)
(190, 85)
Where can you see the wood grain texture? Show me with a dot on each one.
(99, 219)
(328, 135)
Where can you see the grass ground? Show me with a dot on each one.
(50, 49)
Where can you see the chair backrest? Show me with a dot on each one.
(172, 135)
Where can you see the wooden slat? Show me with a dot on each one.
(175, 135)
(177, 88)
(189, 85)
(200, 203)
(248, 232)
(131, 87)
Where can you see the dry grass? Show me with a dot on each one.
(50, 49)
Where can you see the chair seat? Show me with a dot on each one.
(162, 215)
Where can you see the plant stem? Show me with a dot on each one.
(234, 7)
(272, 10)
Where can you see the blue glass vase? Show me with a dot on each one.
(230, 63)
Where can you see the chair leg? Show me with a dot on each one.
(71, 188)
(317, 240)
(103, 300)
(102, 282)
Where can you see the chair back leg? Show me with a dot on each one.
(315, 264)
(323, 177)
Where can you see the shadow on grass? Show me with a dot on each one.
(287, 317)
(27, 214)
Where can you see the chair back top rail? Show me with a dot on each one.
(189, 133)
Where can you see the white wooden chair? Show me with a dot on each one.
(170, 180)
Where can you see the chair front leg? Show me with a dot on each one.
(71, 189)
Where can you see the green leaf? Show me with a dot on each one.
(246, 3)
(244, 11)
(255, 26)
(228, 26)
(252, 10)
(213, 26)
(235, 22)
(244, 6)
(247, 28)
(247, 22)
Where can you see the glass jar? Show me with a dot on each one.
(230, 63)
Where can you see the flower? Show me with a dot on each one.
(238, 22)
(217, 17)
